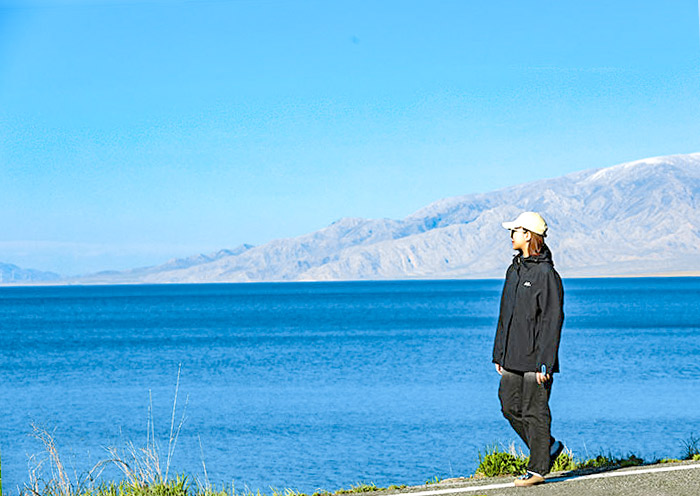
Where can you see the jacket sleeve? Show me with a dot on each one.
(551, 320)
(498, 342)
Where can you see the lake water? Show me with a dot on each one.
(324, 385)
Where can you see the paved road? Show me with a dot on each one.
(678, 479)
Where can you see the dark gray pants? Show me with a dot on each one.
(526, 406)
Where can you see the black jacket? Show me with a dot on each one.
(532, 313)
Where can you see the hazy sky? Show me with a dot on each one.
(136, 131)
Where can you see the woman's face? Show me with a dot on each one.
(520, 238)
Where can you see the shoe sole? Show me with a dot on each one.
(528, 484)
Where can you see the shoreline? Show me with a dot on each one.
(53, 284)
(496, 471)
(184, 484)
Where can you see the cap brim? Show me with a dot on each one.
(509, 225)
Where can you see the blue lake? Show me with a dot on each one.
(324, 385)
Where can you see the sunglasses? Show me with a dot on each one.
(519, 229)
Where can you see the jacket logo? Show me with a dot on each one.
(527, 284)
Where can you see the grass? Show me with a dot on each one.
(143, 475)
(176, 487)
(565, 462)
(497, 462)
(494, 462)
(609, 461)
(360, 488)
(691, 448)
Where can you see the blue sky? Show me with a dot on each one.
(136, 131)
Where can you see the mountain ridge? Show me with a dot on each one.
(12, 274)
(446, 238)
(629, 219)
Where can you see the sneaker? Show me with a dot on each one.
(529, 479)
(554, 452)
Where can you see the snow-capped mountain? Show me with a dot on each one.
(635, 218)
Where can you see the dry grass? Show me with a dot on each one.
(141, 467)
(59, 483)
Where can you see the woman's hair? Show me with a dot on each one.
(536, 243)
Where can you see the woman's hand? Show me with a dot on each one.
(542, 378)
(499, 369)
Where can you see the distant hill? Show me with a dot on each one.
(11, 274)
(142, 273)
(635, 218)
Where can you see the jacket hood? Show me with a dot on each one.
(545, 256)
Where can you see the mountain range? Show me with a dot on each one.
(11, 274)
(636, 218)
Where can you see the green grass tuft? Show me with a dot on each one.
(599, 461)
(360, 488)
(631, 461)
(285, 492)
(691, 448)
(564, 462)
(495, 463)
(602, 461)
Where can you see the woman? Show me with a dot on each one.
(526, 347)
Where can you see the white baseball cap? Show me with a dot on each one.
(532, 221)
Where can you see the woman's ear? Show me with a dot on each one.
(528, 236)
